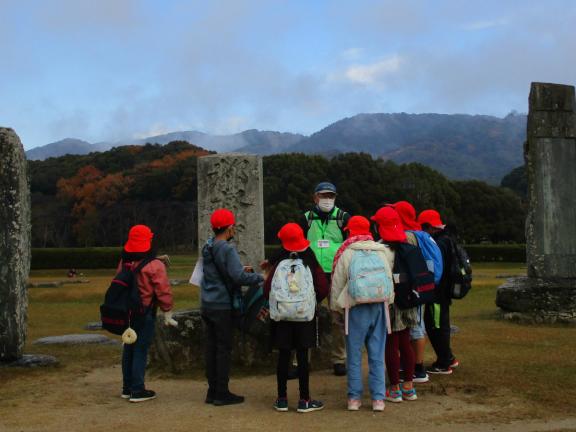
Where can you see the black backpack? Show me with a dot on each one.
(460, 272)
(122, 307)
(413, 281)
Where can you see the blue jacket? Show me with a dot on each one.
(221, 256)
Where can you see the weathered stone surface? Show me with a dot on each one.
(14, 245)
(548, 294)
(538, 300)
(32, 361)
(76, 339)
(182, 349)
(550, 160)
(233, 181)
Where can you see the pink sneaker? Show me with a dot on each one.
(354, 404)
(377, 405)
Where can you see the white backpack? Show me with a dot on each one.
(292, 296)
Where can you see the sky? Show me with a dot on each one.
(111, 70)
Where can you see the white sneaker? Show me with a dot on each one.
(377, 405)
(354, 404)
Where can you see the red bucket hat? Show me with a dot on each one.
(431, 217)
(407, 215)
(389, 225)
(292, 238)
(222, 218)
(139, 239)
(358, 225)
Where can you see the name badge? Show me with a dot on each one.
(396, 278)
(323, 244)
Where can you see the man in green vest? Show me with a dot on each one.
(324, 228)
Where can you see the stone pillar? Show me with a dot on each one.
(14, 245)
(233, 181)
(549, 291)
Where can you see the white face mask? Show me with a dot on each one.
(326, 204)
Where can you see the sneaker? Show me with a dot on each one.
(454, 363)
(228, 399)
(434, 369)
(354, 404)
(142, 396)
(378, 405)
(393, 395)
(125, 394)
(421, 377)
(339, 369)
(409, 394)
(309, 405)
(281, 404)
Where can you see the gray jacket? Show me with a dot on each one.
(214, 294)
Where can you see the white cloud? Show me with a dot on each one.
(368, 74)
(483, 25)
(352, 53)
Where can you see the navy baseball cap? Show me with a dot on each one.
(325, 187)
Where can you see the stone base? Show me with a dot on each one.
(32, 361)
(181, 349)
(534, 300)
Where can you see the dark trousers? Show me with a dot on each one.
(439, 336)
(399, 349)
(134, 356)
(303, 373)
(218, 325)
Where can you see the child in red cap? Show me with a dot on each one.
(224, 275)
(294, 285)
(365, 306)
(155, 292)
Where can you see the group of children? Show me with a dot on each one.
(386, 279)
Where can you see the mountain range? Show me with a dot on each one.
(459, 146)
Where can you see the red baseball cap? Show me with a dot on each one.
(407, 215)
(292, 238)
(358, 225)
(139, 239)
(431, 217)
(222, 218)
(389, 225)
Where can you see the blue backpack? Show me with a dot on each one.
(431, 253)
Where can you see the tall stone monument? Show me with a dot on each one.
(548, 293)
(14, 245)
(233, 181)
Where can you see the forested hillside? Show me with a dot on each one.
(92, 200)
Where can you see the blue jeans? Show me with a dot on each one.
(134, 356)
(366, 326)
(419, 332)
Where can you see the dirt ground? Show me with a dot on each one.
(91, 402)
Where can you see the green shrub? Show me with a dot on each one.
(78, 258)
(496, 252)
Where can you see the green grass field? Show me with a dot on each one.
(499, 358)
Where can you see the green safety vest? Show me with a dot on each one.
(325, 231)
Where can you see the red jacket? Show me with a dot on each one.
(153, 282)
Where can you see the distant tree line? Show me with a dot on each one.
(93, 200)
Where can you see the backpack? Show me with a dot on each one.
(460, 272)
(292, 295)
(368, 282)
(256, 318)
(413, 282)
(122, 307)
(431, 253)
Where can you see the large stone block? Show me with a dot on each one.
(551, 97)
(14, 245)
(181, 349)
(233, 181)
